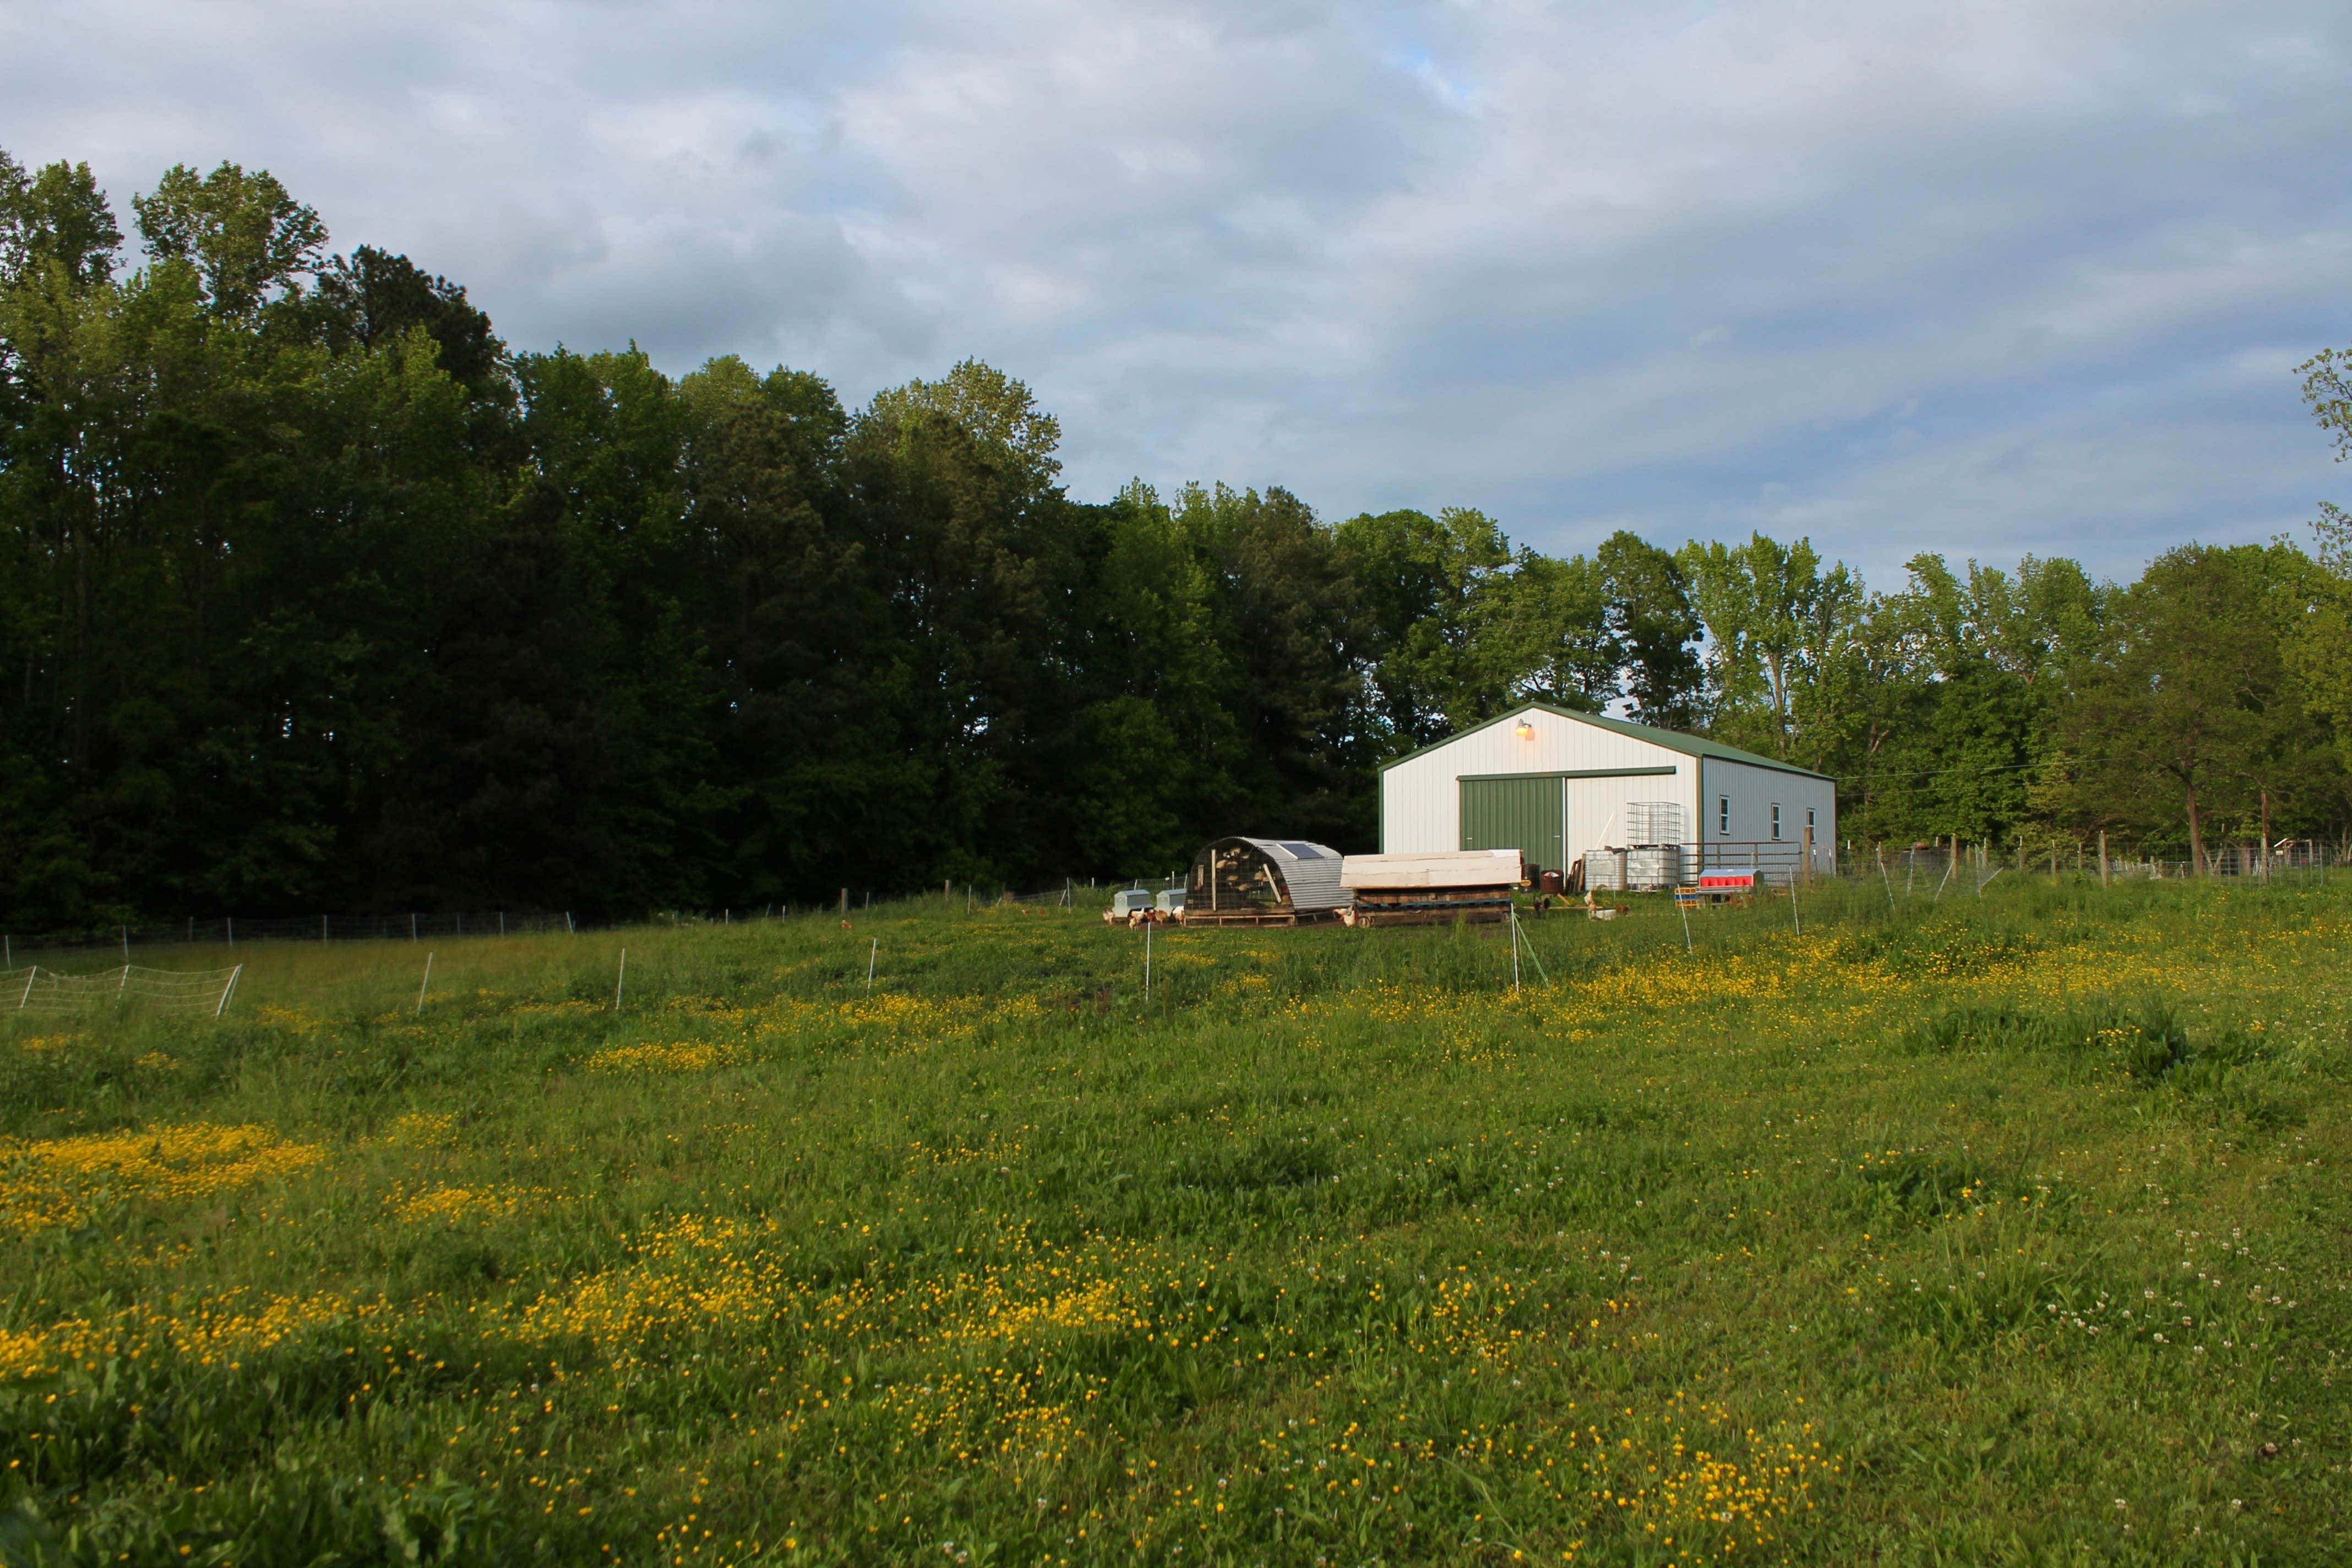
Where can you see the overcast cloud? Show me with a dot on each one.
(1986, 277)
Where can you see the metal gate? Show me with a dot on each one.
(1527, 815)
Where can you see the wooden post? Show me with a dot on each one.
(2102, 858)
(2266, 834)
(1808, 852)
(844, 900)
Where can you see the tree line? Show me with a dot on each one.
(315, 594)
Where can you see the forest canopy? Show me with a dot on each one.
(318, 595)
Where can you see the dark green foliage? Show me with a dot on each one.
(314, 594)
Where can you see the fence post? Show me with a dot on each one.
(844, 900)
(322, 930)
(619, 979)
(2102, 858)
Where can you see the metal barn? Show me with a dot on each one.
(1642, 807)
(1262, 881)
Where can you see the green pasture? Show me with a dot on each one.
(1999, 1230)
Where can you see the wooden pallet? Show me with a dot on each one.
(1493, 914)
(1259, 917)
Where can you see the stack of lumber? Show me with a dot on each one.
(1425, 889)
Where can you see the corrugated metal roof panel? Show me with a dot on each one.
(1310, 872)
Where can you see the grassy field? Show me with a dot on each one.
(2011, 1229)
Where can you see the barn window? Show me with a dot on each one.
(1723, 816)
(1776, 819)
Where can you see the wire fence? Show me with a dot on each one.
(230, 933)
(128, 987)
(2287, 860)
(1932, 869)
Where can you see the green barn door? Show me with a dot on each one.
(1524, 815)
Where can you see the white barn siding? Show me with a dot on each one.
(1421, 797)
(1752, 792)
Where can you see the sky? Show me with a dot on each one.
(1981, 277)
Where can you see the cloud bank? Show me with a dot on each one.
(1986, 277)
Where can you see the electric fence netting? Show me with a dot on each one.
(130, 987)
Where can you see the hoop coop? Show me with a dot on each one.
(1262, 881)
(128, 987)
